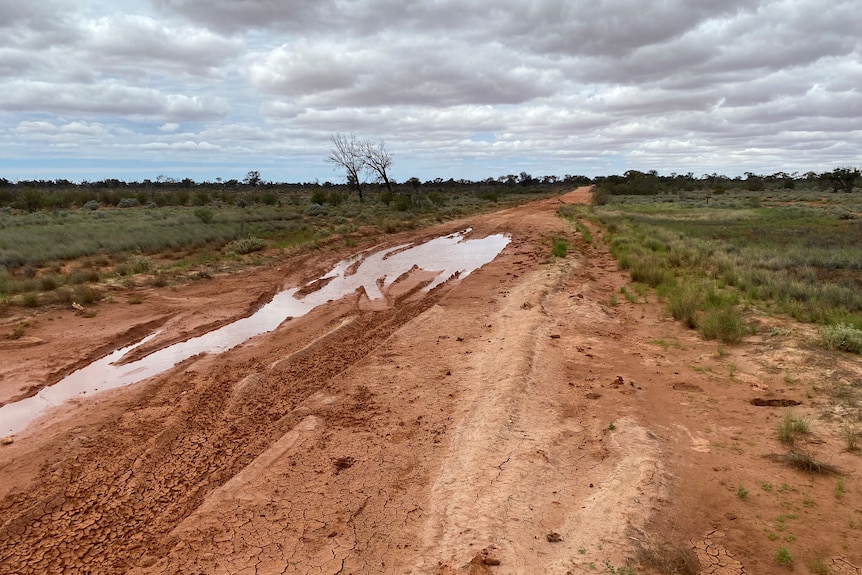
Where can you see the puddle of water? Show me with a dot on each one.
(449, 256)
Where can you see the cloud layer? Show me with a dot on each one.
(457, 89)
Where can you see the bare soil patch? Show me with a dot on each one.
(518, 420)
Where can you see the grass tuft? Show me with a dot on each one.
(559, 248)
(790, 428)
(782, 556)
(723, 324)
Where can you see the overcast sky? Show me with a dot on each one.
(203, 89)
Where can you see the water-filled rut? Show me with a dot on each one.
(454, 255)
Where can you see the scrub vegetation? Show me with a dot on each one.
(714, 251)
(62, 242)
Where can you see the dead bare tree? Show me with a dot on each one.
(348, 153)
(377, 160)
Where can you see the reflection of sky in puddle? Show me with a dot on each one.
(449, 255)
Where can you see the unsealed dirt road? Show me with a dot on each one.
(528, 418)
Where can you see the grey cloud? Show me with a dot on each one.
(138, 43)
(415, 71)
(107, 99)
(233, 16)
(683, 84)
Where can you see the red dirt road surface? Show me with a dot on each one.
(524, 419)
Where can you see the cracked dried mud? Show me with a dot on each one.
(512, 421)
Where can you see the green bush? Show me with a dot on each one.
(683, 303)
(560, 248)
(204, 214)
(128, 203)
(91, 205)
(245, 246)
(315, 210)
(85, 294)
(650, 269)
(722, 323)
(843, 337)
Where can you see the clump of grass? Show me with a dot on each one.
(722, 323)
(82, 275)
(31, 299)
(678, 561)
(205, 215)
(842, 337)
(85, 294)
(840, 489)
(791, 427)
(559, 248)
(683, 303)
(630, 297)
(18, 332)
(138, 264)
(650, 269)
(621, 570)
(245, 246)
(819, 566)
(783, 557)
(584, 231)
(742, 492)
(851, 438)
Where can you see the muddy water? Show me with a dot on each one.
(450, 256)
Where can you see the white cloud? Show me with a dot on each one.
(571, 86)
(110, 98)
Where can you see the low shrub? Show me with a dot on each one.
(316, 210)
(204, 214)
(650, 269)
(559, 248)
(85, 294)
(843, 337)
(245, 246)
(683, 303)
(82, 275)
(722, 323)
(791, 427)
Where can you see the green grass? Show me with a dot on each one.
(35, 248)
(742, 492)
(559, 248)
(783, 557)
(799, 255)
(840, 489)
(819, 565)
(791, 427)
(842, 337)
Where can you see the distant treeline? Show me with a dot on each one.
(650, 183)
(34, 195)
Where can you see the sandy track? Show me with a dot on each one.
(463, 431)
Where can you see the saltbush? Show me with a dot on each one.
(315, 210)
(245, 246)
(843, 337)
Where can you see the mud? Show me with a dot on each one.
(513, 420)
